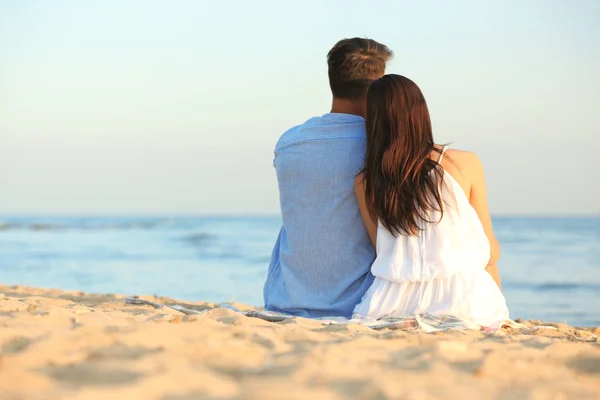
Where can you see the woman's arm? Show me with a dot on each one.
(370, 223)
(478, 199)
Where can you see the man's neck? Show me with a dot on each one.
(343, 106)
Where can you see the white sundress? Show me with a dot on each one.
(441, 271)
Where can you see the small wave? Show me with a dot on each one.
(199, 238)
(80, 225)
(46, 227)
(6, 227)
(567, 286)
(31, 227)
(260, 260)
(554, 286)
(116, 225)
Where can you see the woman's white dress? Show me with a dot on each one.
(440, 271)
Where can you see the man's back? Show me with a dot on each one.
(321, 261)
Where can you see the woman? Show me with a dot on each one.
(426, 212)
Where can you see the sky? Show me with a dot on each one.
(121, 107)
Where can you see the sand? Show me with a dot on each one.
(71, 345)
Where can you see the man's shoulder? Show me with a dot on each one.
(321, 128)
(294, 131)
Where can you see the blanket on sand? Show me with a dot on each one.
(418, 322)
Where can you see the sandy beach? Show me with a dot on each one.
(72, 345)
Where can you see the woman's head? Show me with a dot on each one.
(400, 186)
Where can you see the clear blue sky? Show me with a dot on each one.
(174, 107)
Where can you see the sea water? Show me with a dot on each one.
(550, 267)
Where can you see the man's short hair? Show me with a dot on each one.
(353, 64)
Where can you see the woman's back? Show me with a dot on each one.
(454, 241)
(442, 269)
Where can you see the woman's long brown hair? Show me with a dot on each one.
(402, 182)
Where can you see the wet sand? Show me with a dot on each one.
(71, 345)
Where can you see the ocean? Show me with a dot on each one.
(550, 267)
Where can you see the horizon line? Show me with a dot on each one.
(255, 215)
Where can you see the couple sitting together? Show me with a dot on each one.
(378, 219)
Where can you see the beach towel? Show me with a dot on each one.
(416, 323)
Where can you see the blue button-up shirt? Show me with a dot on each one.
(320, 265)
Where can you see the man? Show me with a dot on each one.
(320, 265)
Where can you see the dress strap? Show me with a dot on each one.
(442, 154)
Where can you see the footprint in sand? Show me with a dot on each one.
(89, 374)
(585, 364)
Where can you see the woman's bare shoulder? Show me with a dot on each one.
(462, 155)
(463, 158)
(462, 164)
